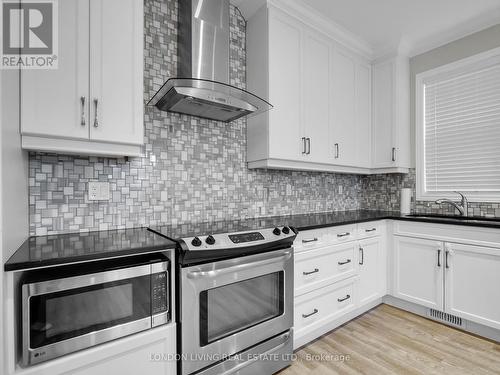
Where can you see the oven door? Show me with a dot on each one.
(61, 316)
(229, 306)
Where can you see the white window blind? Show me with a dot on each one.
(462, 132)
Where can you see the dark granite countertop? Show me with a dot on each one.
(43, 251)
(312, 221)
(61, 249)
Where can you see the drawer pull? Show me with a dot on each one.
(315, 311)
(370, 230)
(311, 240)
(343, 299)
(342, 263)
(343, 234)
(316, 270)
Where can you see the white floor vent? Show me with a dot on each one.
(446, 318)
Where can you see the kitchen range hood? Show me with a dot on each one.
(202, 88)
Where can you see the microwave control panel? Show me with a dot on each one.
(159, 292)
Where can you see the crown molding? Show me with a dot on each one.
(318, 21)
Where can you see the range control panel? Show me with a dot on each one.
(238, 239)
(246, 237)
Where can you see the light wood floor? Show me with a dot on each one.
(387, 340)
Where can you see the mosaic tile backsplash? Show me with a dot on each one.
(193, 169)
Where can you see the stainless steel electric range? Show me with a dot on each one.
(236, 296)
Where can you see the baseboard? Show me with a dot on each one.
(468, 326)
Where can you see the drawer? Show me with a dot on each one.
(314, 309)
(315, 238)
(319, 267)
(370, 229)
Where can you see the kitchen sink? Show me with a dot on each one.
(471, 219)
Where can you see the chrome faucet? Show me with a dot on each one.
(463, 207)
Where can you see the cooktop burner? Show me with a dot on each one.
(206, 242)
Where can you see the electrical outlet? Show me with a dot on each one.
(98, 191)
(341, 189)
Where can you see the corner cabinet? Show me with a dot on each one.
(391, 115)
(321, 93)
(93, 102)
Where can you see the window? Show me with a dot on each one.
(458, 129)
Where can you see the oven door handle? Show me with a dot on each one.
(239, 267)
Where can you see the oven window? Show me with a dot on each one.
(62, 315)
(232, 308)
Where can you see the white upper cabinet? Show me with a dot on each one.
(321, 91)
(317, 97)
(285, 39)
(391, 115)
(116, 56)
(55, 102)
(93, 103)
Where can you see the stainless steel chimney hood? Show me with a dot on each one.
(202, 88)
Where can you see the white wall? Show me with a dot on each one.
(13, 184)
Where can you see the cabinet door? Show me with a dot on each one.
(51, 100)
(383, 115)
(317, 100)
(116, 75)
(418, 271)
(285, 70)
(472, 286)
(344, 103)
(371, 270)
(363, 114)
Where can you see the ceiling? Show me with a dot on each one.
(415, 25)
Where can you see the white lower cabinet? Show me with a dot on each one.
(458, 279)
(472, 283)
(315, 310)
(371, 270)
(418, 275)
(319, 267)
(336, 277)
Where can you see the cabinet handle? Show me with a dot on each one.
(343, 234)
(308, 141)
(336, 150)
(311, 240)
(439, 257)
(82, 102)
(446, 259)
(362, 252)
(304, 145)
(315, 311)
(343, 299)
(371, 230)
(316, 270)
(342, 263)
(96, 116)
(394, 154)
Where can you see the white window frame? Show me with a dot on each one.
(471, 63)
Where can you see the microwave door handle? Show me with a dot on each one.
(239, 267)
(68, 283)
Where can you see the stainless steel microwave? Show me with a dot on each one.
(64, 315)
